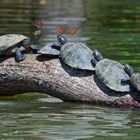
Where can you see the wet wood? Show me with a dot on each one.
(53, 77)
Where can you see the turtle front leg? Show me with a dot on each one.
(19, 55)
(34, 49)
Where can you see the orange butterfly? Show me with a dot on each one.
(72, 32)
(60, 29)
(39, 24)
(67, 30)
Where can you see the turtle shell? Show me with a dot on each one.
(135, 81)
(77, 55)
(9, 40)
(111, 73)
(50, 49)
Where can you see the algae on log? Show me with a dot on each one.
(51, 76)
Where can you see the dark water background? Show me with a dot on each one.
(113, 27)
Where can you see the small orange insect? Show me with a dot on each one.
(39, 24)
(72, 32)
(60, 29)
(69, 31)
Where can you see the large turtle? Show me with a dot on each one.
(11, 44)
(77, 55)
(114, 75)
(51, 49)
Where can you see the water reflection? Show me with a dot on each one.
(59, 120)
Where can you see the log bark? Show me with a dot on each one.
(51, 76)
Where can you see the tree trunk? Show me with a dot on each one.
(53, 77)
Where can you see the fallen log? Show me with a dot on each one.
(51, 76)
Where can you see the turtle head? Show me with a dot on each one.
(98, 56)
(128, 69)
(62, 39)
(37, 33)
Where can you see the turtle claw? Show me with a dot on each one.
(19, 55)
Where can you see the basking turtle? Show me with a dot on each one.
(77, 55)
(52, 49)
(11, 44)
(113, 75)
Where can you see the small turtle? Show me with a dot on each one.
(113, 75)
(135, 81)
(51, 49)
(11, 44)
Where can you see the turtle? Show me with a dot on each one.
(15, 44)
(113, 74)
(78, 55)
(53, 49)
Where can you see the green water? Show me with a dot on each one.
(113, 27)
